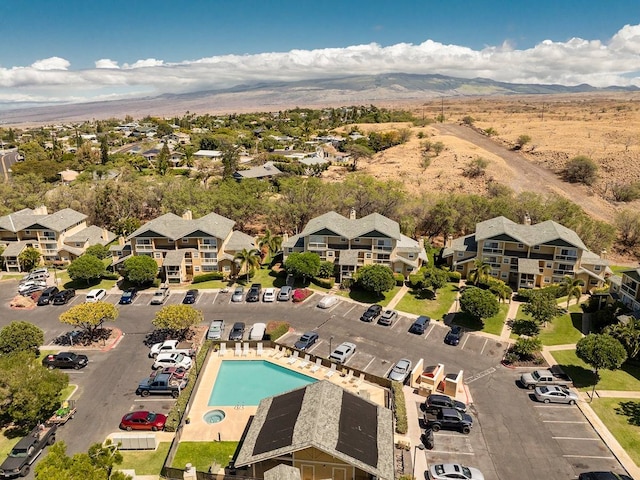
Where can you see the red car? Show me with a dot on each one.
(176, 372)
(143, 420)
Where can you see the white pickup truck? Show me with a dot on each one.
(171, 346)
(160, 295)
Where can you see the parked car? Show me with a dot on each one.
(176, 372)
(254, 293)
(172, 360)
(63, 297)
(269, 295)
(96, 295)
(143, 420)
(47, 295)
(38, 272)
(65, 360)
(401, 370)
(257, 331)
(28, 285)
(238, 294)
(237, 331)
(190, 297)
(328, 301)
(215, 330)
(32, 289)
(371, 313)
(420, 325)
(343, 352)
(603, 476)
(454, 335)
(449, 471)
(160, 295)
(128, 296)
(284, 295)
(388, 317)
(306, 340)
(555, 394)
(438, 401)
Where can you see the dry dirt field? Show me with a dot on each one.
(605, 128)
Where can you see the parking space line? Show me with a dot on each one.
(429, 332)
(465, 340)
(368, 364)
(588, 456)
(334, 307)
(314, 346)
(215, 298)
(485, 344)
(577, 438)
(386, 374)
(562, 421)
(349, 311)
(395, 324)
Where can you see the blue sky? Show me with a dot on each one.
(73, 50)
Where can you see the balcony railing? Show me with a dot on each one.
(629, 290)
(564, 272)
(144, 248)
(492, 250)
(208, 248)
(566, 258)
(209, 261)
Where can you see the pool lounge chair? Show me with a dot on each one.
(294, 358)
(331, 372)
(279, 352)
(238, 350)
(223, 349)
(245, 349)
(317, 366)
(259, 349)
(348, 377)
(304, 363)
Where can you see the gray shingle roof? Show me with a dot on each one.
(240, 240)
(174, 227)
(348, 228)
(93, 235)
(26, 218)
(261, 171)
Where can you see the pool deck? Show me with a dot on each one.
(236, 418)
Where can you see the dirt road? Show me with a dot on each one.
(532, 177)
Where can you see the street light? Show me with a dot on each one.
(415, 458)
(330, 340)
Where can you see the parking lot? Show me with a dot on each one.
(513, 436)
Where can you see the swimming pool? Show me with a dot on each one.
(246, 382)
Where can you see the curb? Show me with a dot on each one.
(115, 343)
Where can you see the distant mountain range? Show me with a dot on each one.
(351, 90)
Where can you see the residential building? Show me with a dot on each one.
(267, 170)
(526, 255)
(60, 237)
(323, 431)
(184, 247)
(628, 290)
(353, 242)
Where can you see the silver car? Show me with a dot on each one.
(400, 370)
(215, 330)
(343, 352)
(555, 394)
(238, 294)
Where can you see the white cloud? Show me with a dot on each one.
(599, 63)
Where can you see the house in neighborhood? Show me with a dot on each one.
(526, 255)
(353, 242)
(60, 237)
(322, 430)
(627, 290)
(211, 154)
(184, 247)
(268, 170)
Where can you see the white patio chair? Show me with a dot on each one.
(223, 349)
(259, 349)
(304, 363)
(348, 377)
(245, 349)
(294, 358)
(238, 350)
(331, 372)
(317, 366)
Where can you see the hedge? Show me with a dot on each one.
(415, 280)
(205, 277)
(400, 412)
(556, 291)
(399, 279)
(110, 276)
(454, 276)
(323, 282)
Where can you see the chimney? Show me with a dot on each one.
(105, 235)
(187, 215)
(121, 240)
(41, 210)
(603, 254)
(527, 219)
(449, 241)
(352, 214)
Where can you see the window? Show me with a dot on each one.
(505, 260)
(536, 247)
(504, 275)
(329, 253)
(460, 254)
(549, 265)
(411, 255)
(170, 241)
(196, 269)
(356, 240)
(521, 246)
(27, 232)
(196, 255)
(593, 282)
(185, 240)
(367, 255)
(459, 267)
(547, 280)
(343, 240)
(226, 268)
(596, 268)
(158, 255)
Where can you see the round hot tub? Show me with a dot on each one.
(214, 416)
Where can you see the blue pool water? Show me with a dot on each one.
(246, 382)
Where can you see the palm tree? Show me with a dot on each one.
(28, 259)
(269, 244)
(572, 287)
(247, 259)
(481, 271)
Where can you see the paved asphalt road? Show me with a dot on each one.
(7, 159)
(513, 436)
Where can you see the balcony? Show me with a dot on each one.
(629, 290)
(571, 273)
(316, 246)
(338, 246)
(208, 248)
(566, 258)
(144, 248)
(492, 250)
(209, 261)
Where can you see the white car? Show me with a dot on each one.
(96, 295)
(215, 330)
(343, 352)
(269, 295)
(400, 370)
(172, 360)
(23, 287)
(450, 471)
(555, 394)
(328, 301)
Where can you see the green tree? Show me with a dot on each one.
(20, 336)
(89, 316)
(179, 318)
(435, 279)
(481, 271)
(87, 268)
(104, 150)
(140, 269)
(600, 351)
(375, 278)
(230, 160)
(247, 260)
(162, 160)
(29, 392)
(542, 307)
(303, 265)
(628, 334)
(326, 269)
(269, 244)
(479, 303)
(572, 288)
(97, 464)
(98, 250)
(29, 258)
(581, 169)
(358, 152)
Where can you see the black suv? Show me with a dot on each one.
(237, 331)
(47, 295)
(372, 313)
(603, 476)
(436, 401)
(420, 325)
(65, 360)
(63, 297)
(254, 293)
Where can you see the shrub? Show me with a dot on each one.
(627, 192)
(527, 347)
(323, 282)
(326, 269)
(400, 412)
(301, 294)
(276, 329)
(468, 120)
(415, 280)
(511, 357)
(454, 276)
(346, 283)
(475, 168)
(399, 279)
(205, 277)
(110, 276)
(525, 327)
(580, 169)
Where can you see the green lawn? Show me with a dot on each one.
(145, 462)
(6, 444)
(369, 297)
(622, 418)
(211, 284)
(421, 302)
(627, 379)
(562, 330)
(618, 269)
(266, 276)
(203, 454)
(63, 279)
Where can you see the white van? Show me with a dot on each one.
(257, 331)
(96, 295)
